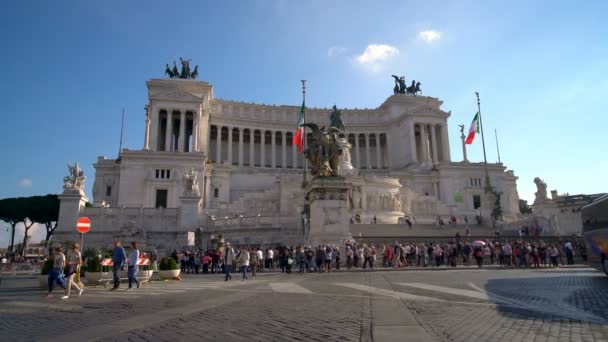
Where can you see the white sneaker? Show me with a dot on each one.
(65, 297)
(80, 292)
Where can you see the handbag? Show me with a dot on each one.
(69, 270)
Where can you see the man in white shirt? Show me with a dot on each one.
(260, 258)
(269, 258)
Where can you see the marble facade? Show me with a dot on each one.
(249, 174)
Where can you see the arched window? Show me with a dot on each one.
(216, 192)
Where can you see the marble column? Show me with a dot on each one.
(294, 156)
(413, 141)
(368, 159)
(273, 156)
(357, 151)
(445, 143)
(378, 154)
(229, 145)
(464, 147)
(241, 133)
(251, 147)
(169, 131)
(436, 188)
(262, 148)
(387, 156)
(284, 149)
(181, 140)
(424, 141)
(219, 144)
(196, 118)
(147, 137)
(434, 144)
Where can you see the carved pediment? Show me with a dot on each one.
(177, 96)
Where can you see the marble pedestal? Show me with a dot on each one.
(329, 212)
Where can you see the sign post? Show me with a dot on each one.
(83, 226)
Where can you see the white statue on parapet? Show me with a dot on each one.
(191, 183)
(541, 191)
(74, 181)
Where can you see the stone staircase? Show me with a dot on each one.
(417, 230)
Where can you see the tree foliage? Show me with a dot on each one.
(29, 210)
(524, 208)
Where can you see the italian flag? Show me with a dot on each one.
(473, 129)
(298, 138)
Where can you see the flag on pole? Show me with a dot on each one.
(473, 129)
(298, 138)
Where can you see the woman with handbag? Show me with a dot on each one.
(74, 262)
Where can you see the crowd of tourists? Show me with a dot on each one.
(327, 258)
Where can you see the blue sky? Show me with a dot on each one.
(69, 67)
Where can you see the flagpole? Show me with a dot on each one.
(497, 149)
(304, 132)
(122, 124)
(483, 142)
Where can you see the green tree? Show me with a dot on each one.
(45, 210)
(524, 208)
(12, 212)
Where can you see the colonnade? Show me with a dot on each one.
(275, 149)
(429, 143)
(176, 131)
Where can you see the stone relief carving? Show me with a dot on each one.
(74, 181)
(384, 201)
(191, 183)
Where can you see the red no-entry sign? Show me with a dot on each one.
(83, 225)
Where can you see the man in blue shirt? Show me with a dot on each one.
(119, 258)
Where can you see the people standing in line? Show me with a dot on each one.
(269, 258)
(228, 260)
(260, 259)
(119, 258)
(133, 268)
(553, 254)
(243, 260)
(253, 261)
(206, 260)
(74, 262)
(56, 274)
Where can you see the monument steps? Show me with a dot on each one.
(417, 230)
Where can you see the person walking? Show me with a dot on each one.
(228, 260)
(74, 262)
(119, 258)
(56, 274)
(133, 268)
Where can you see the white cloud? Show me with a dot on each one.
(375, 55)
(336, 51)
(429, 36)
(25, 183)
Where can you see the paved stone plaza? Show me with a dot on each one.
(427, 305)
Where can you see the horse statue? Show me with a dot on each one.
(324, 152)
(169, 72)
(418, 90)
(175, 70)
(185, 68)
(194, 73)
(400, 87)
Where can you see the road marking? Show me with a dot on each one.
(389, 293)
(459, 292)
(288, 288)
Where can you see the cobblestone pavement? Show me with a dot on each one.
(446, 305)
